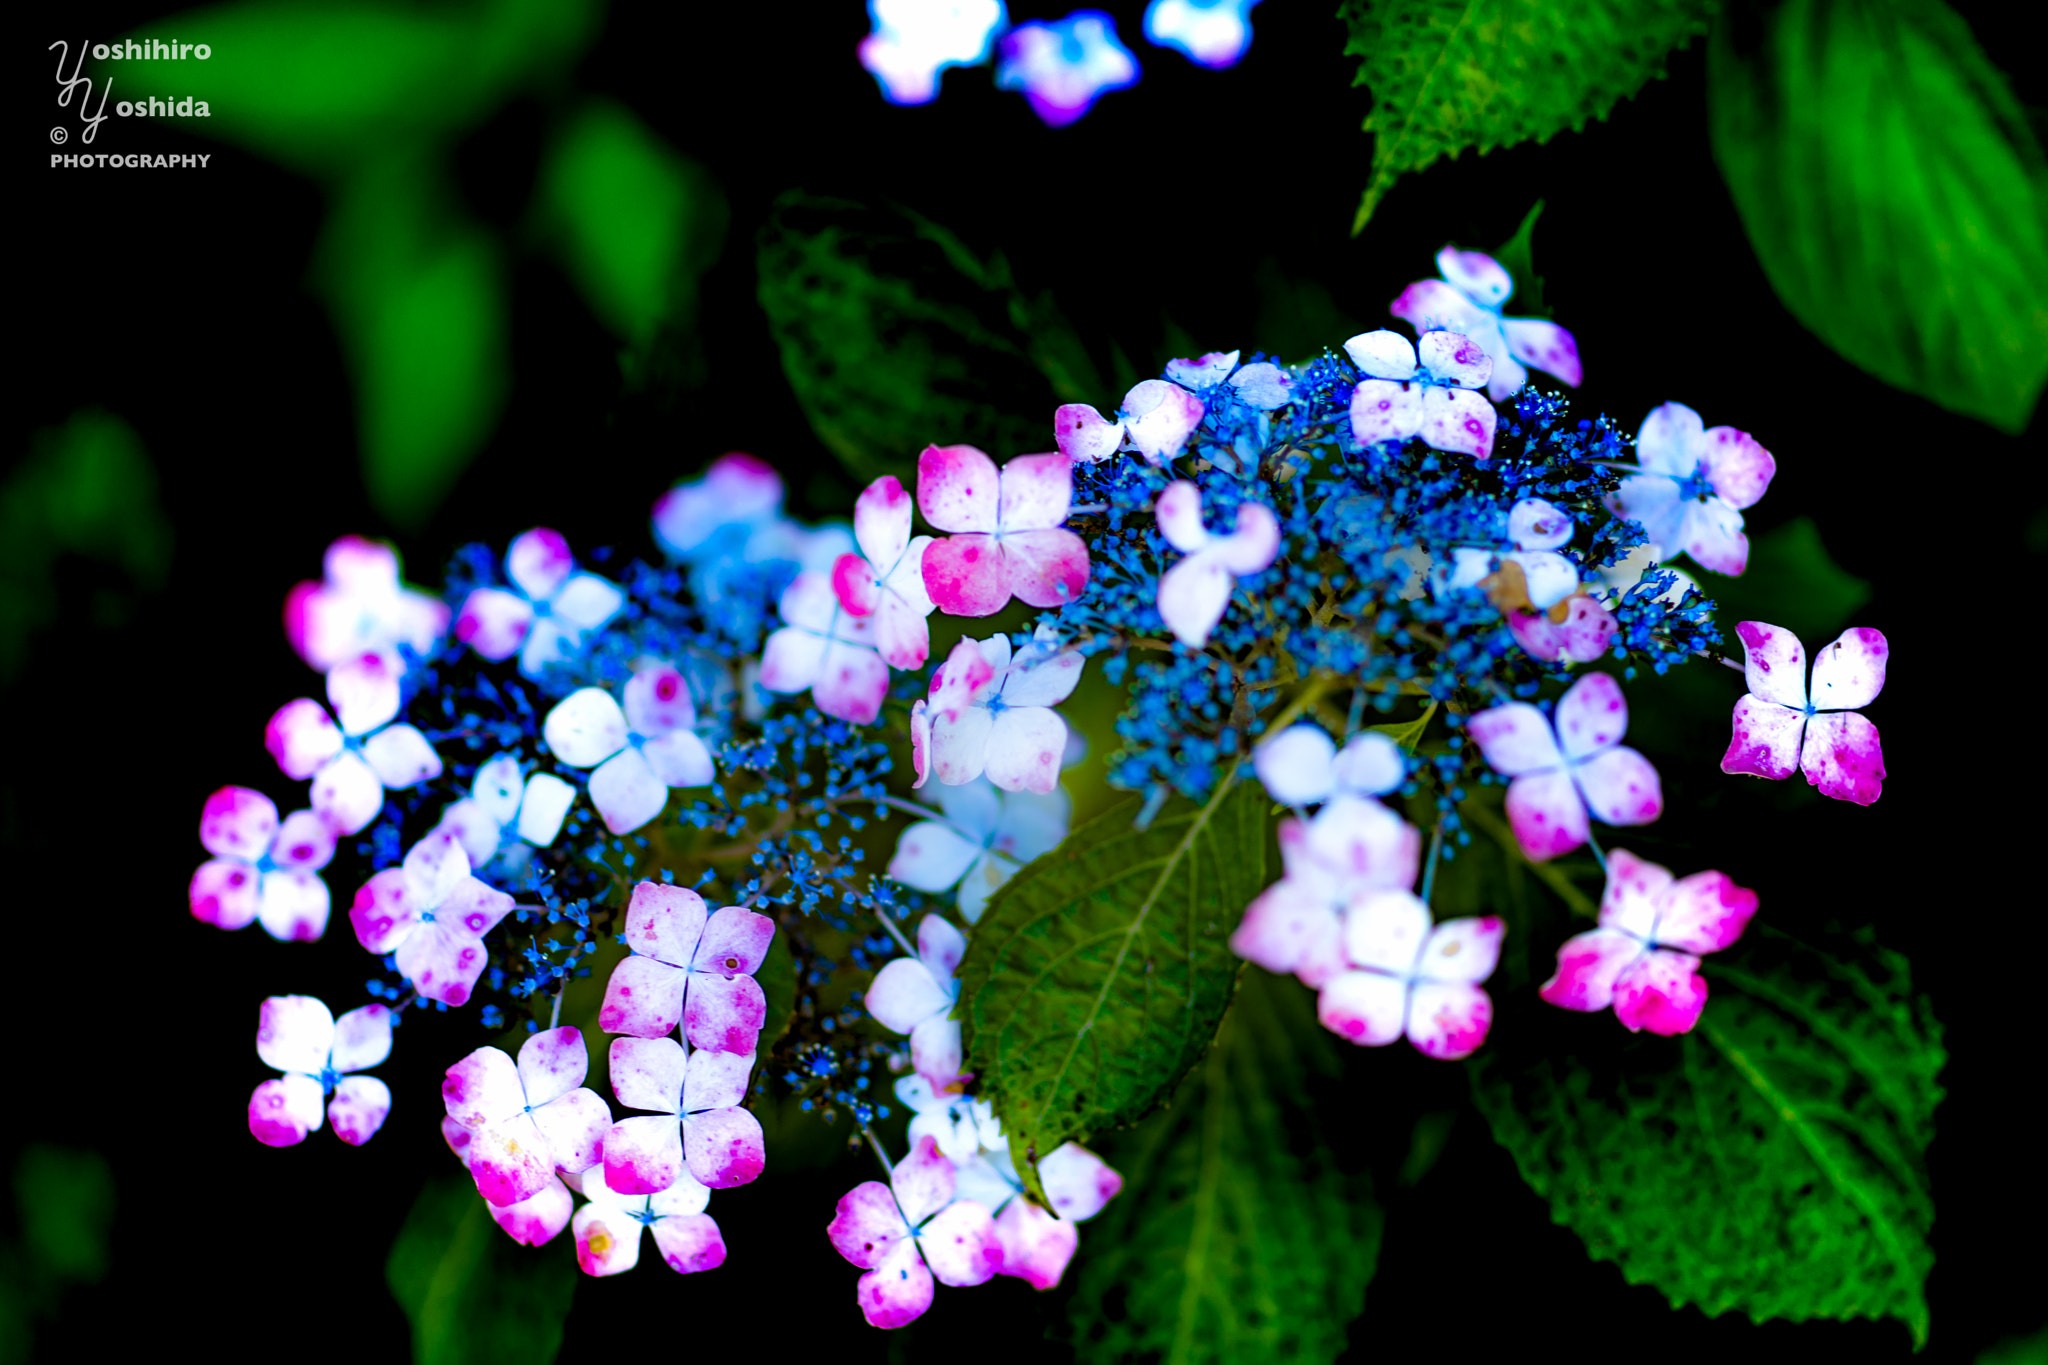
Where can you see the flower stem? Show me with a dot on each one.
(875, 1143)
(1436, 844)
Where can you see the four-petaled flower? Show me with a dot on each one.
(360, 606)
(827, 649)
(1064, 67)
(983, 838)
(1437, 402)
(1470, 303)
(639, 751)
(1779, 727)
(698, 1122)
(888, 584)
(1406, 977)
(533, 1221)
(299, 1036)
(1004, 725)
(689, 967)
(548, 616)
(529, 1120)
(915, 995)
(910, 1231)
(1194, 593)
(1644, 957)
(1302, 765)
(434, 915)
(1009, 539)
(499, 799)
(351, 763)
(735, 512)
(1558, 775)
(1353, 847)
(261, 869)
(1692, 486)
(608, 1227)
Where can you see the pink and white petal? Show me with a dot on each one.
(866, 1226)
(665, 922)
(510, 1160)
(1535, 524)
(904, 579)
(1765, 740)
(940, 947)
(852, 682)
(1704, 913)
(1078, 1182)
(964, 677)
(905, 994)
(853, 583)
(1036, 491)
(1367, 1008)
(292, 905)
(362, 1038)
(1546, 814)
(1178, 511)
(401, 757)
(482, 1088)
(384, 912)
(363, 690)
(283, 1111)
(724, 1147)
(959, 749)
(1849, 672)
(898, 1291)
(573, 1127)
(1738, 468)
(1712, 535)
(1651, 499)
(1476, 275)
(1661, 991)
(1544, 346)
(923, 1181)
(1042, 681)
(494, 622)
(931, 856)
(936, 1053)
(441, 965)
(223, 893)
(538, 561)
(473, 828)
(1159, 417)
(1448, 1020)
(682, 1199)
(1297, 766)
(539, 1220)
(735, 939)
(238, 822)
(1588, 630)
(1842, 756)
(585, 728)
(1357, 841)
(472, 908)
(1383, 354)
(1385, 410)
(901, 632)
(643, 998)
(1263, 385)
(347, 794)
(607, 1239)
(1591, 715)
(791, 660)
(965, 575)
(957, 489)
(689, 1242)
(1255, 542)
(295, 1033)
(1634, 894)
(627, 791)
(433, 868)
(1428, 305)
(960, 1245)
(1464, 950)
(1044, 568)
(1454, 358)
(1082, 433)
(1036, 1246)
(1774, 663)
(809, 603)
(359, 1108)
(679, 759)
(1515, 738)
(648, 1073)
(1385, 929)
(1588, 965)
(551, 1064)
(1280, 924)
(1025, 745)
(716, 1080)
(1193, 595)
(1620, 787)
(657, 701)
(543, 809)
(1458, 420)
(643, 1155)
(724, 1012)
(302, 737)
(1669, 441)
(1204, 373)
(586, 602)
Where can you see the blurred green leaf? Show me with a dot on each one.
(1771, 1161)
(471, 1293)
(1407, 733)
(1895, 196)
(1448, 75)
(1095, 977)
(777, 977)
(895, 335)
(1791, 582)
(1517, 257)
(2027, 1350)
(327, 86)
(66, 1200)
(1237, 1236)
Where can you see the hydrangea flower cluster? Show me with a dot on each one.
(1374, 582)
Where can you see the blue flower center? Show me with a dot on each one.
(1694, 487)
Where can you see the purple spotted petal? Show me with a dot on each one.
(1458, 420)
(923, 1181)
(1082, 433)
(1367, 1008)
(867, 1226)
(482, 1088)
(552, 1063)
(607, 1239)
(1774, 663)
(1669, 440)
(1621, 787)
(1448, 1020)
(223, 893)
(897, 1291)
(358, 1109)
(734, 940)
(1546, 814)
(292, 905)
(957, 489)
(665, 922)
(539, 1220)
(724, 1013)
(643, 1155)
(1044, 568)
(1454, 358)
(1159, 416)
(1025, 744)
(1738, 468)
(302, 737)
(1661, 991)
(724, 1147)
(852, 681)
(283, 1111)
(238, 822)
(362, 1038)
(647, 1073)
(960, 1245)
(538, 561)
(1036, 491)
(1544, 346)
(1077, 1181)
(1429, 305)
(1712, 535)
(965, 575)
(442, 965)
(1281, 925)
(1515, 739)
(494, 622)
(1849, 672)
(1035, 1246)
(1843, 758)
(1385, 410)
(935, 1053)
(510, 1160)
(1204, 373)
(347, 794)
(294, 1033)
(1592, 715)
(1634, 893)
(959, 748)
(363, 690)
(1476, 275)
(1704, 913)
(932, 857)
(657, 700)
(574, 1127)
(1765, 742)
(716, 1080)
(1587, 967)
(689, 1242)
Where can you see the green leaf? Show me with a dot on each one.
(1894, 195)
(895, 335)
(1791, 582)
(1238, 1236)
(1517, 257)
(66, 1201)
(1407, 733)
(471, 1293)
(1096, 976)
(777, 978)
(1447, 75)
(1771, 1161)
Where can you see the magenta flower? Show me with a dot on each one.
(911, 1231)
(1692, 486)
(689, 967)
(1428, 393)
(639, 752)
(434, 915)
(698, 1120)
(1559, 775)
(828, 650)
(261, 869)
(915, 995)
(1352, 848)
(1644, 957)
(360, 606)
(1405, 977)
(352, 762)
(1194, 593)
(888, 584)
(530, 1120)
(299, 1036)
(608, 1226)
(550, 612)
(1779, 727)
(1005, 725)
(1009, 538)
(1064, 67)
(1468, 299)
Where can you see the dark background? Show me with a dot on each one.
(178, 301)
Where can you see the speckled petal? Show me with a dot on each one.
(292, 905)
(441, 965)
(957, 489)
(494, 622)
(363, 690)
(680, 1200)
(482, 1088)
(473, 828)
(1458, 420)
(510, 1160)
(657, 700)
(1588, 965)
(1204, 373)
(1620, 787)
(1476, 275)
(901, 632)
(1367, 1008)
(898, 1291)
(223, 893)
(538, 561)
(585, 728)
(1712, 534)
(647, 1073)
(1454, 358)
(1546, 814)
(1078, 1182)
(1843, 758)
(539, 1220)
(964, 575)
(1774, 663)
(401, 757)
(960, 1245)
(384, 913)
(790, 661)
(1432, 304)
(1263, 385)
(724, 1012)
(1591, 715)
(283, 1111)
(1661, 991)
(1036, 1246)
(1738, 468)
(1704, 913)
(1036, 491)
(238, 822)
(931, 856)
(627, 791)
(1849, 672)
(346, 794)
(852, 681)
(643, 1155)
(923, 1181)
(1515, 739)
(643, 998)
(302, 737)
(735, 939)
(362, 1038)
(966, 676)
(607, 1239)
(1082, 433)
(959, 749)
(1464, 950)
(1765, 741)
(574, 1126)
(936, 1053)
(1383, 354)
(359, 1108)
(1024, 748)
(294, 1033)
(1044, 568)
(552, 1063)
(689, 1242)
(1385, 410)
(867, 1226)
(665, 922)
(724, 1146)
(1544, 346)
(1159, 416)
(1448, 1020)
(1635, 888)
(1669, 440)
